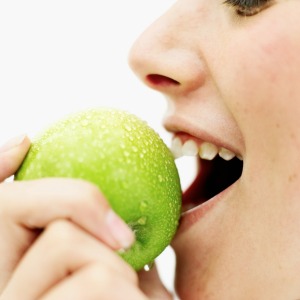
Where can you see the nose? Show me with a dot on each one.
(165, 58)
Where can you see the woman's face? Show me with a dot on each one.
(232, 82)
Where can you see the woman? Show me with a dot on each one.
(230, 74)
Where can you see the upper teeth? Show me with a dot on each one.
(205, 150)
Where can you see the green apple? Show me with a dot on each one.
(127, 160)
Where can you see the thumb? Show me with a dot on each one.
(152, 286)
(12, 154)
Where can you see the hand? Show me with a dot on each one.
(72, 231)
(67, 263)
(28, 207)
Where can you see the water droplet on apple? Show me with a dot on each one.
(127, 127)
(143, 206)
(148, 266)
(84, 123)
(142, 220)
(160, 178)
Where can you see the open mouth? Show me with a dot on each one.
(213, 177)
(217, 170)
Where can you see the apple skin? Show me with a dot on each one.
(127, 160)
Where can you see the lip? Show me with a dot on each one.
(185, 129)
(192, 216)
(179, 126)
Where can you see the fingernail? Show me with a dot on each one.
(14, 142)
(120, 230)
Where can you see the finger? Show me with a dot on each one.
(61, 250)
(152, 286)
(12, 154)
(95, 282)
(35, 204)
(27, 206)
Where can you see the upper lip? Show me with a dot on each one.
(178, 124)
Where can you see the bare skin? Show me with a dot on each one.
(233, 81)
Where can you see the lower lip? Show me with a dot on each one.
(193, 215)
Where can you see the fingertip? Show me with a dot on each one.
(26, 142)
(119, 230)
(12, 153)
(14, 142)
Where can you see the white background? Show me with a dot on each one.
(61, 56)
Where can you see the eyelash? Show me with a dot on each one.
(248, 7)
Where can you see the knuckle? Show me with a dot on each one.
(101, 273)
(96, 280)
(104, 277)
(109, 272)
(59, 237)
(132, 275)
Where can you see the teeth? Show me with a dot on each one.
(190, 148)
(226, 154)
(206, 150)
(240, 157)
(176, 147)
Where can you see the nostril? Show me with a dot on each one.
(161, 80)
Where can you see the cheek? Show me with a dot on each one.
(262, 90)
(262, 81)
